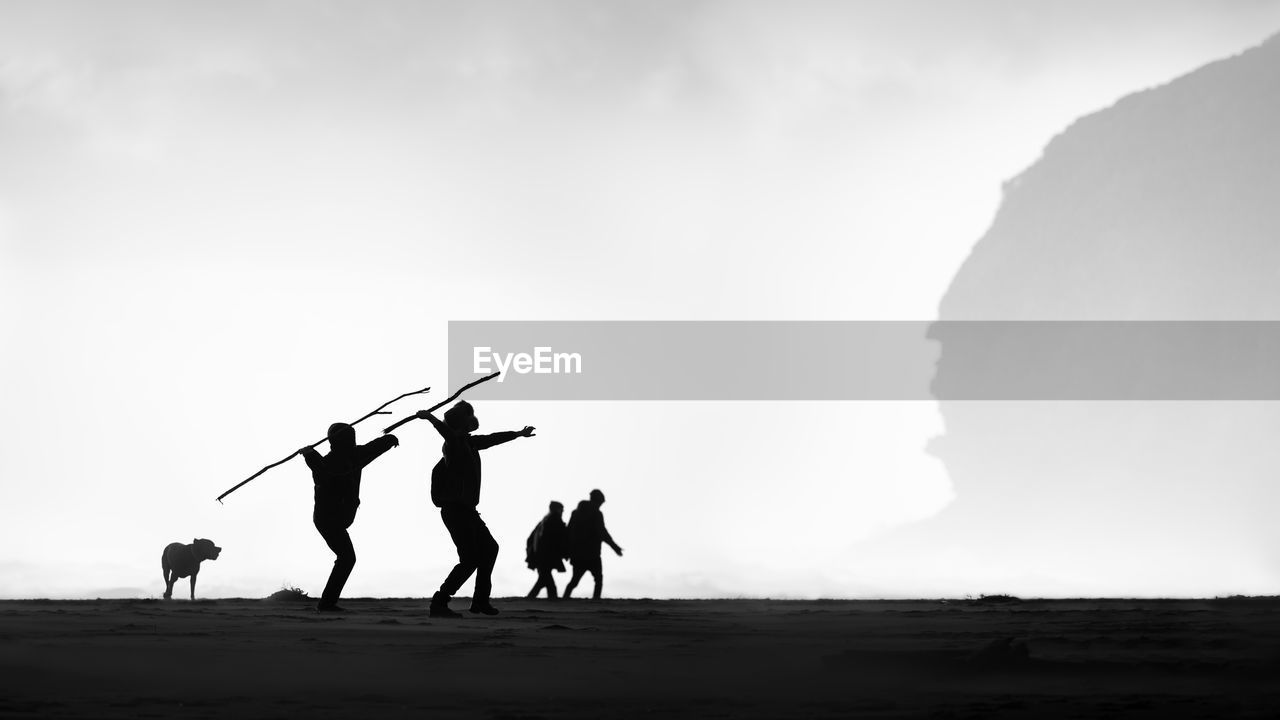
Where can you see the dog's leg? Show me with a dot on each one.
(166, 575)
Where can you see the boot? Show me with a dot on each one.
(482, 607)
(440, 607)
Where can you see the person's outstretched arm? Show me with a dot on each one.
(311, 456)
(480, 442)
(608, 539)
(445, 431)
(370, 451)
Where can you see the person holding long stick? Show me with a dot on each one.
(381, 410)
(337, 480)
(455, 489)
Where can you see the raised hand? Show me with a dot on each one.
(527, 431)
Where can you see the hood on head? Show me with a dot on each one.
(342, 436)
(462, 417)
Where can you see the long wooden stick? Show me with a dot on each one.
(288, 457)
(447, 400)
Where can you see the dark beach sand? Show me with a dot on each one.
(641, 658)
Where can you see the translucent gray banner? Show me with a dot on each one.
(860, 360)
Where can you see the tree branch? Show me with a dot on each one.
(378, 411)
(447, 400)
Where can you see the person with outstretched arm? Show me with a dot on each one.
(337, 480)
(455, 489)
(586, 533)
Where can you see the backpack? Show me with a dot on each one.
(531, 546)
(443, 490)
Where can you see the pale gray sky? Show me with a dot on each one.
(225, 225)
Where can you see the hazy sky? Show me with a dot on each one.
(224, 225)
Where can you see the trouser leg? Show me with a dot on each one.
(578, 572)
(545, 580)
(453, 582)
(487, 549)
(460, 532)
(339, 541)
(477, 553)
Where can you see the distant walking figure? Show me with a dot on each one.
(455, 489)
(586, 533)
(337, 480)
(546, 550)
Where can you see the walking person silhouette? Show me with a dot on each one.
(337, 480)
(586, 533)
(455, 489)
(546, 550)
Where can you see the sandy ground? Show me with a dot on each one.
(641, 658)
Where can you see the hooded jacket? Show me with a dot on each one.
(337, 478)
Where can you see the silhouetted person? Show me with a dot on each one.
(337, 480)
(546, 550)
(455, 489)
(586, 533)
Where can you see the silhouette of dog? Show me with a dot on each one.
(179, 561)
